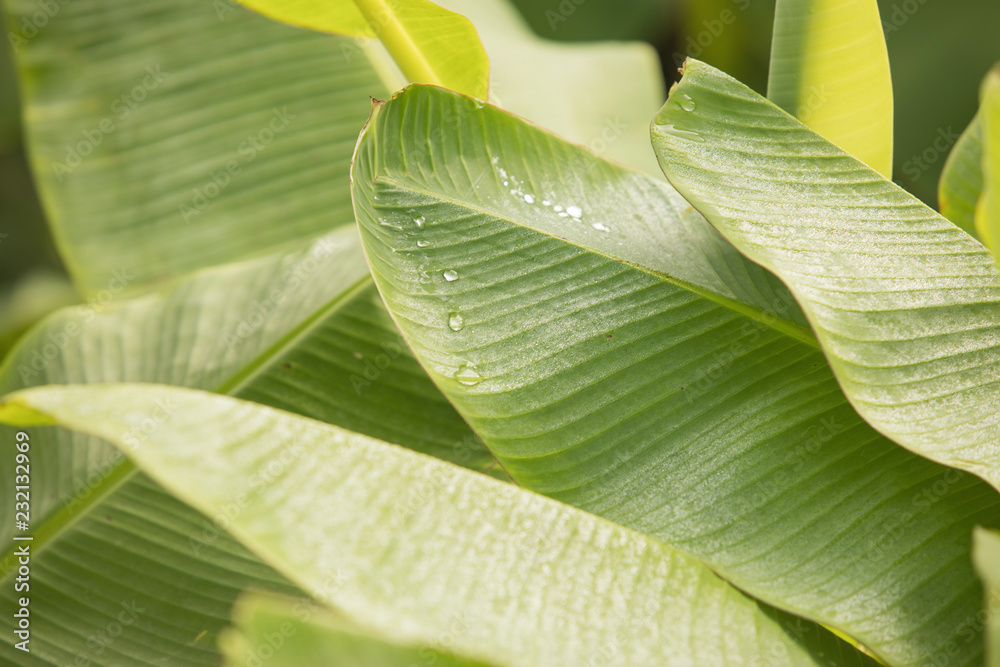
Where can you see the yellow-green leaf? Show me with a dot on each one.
(986, 556)
(830, 69)
(430, 44)
(988, 210)
(962, 178)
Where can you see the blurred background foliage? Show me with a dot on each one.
(940, 51)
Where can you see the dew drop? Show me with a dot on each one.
(557, 207)
(468, 375)
(683, 134)
(546, 202)
(529, 199)
(423, 244)
(456, 322)
(451, 275)
(687, 103)
(575, 211)
(420, 221)
(601, 227)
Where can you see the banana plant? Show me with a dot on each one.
(504, 380)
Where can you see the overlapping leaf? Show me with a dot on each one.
(428, 43)
(614, 352)
(987, 557)
(171, 135)
(406, 544)
(962, 179)
(905, 305)
(299, 633)
(830, 69)
(305, 331)
(988, 209)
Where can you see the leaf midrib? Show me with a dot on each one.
(52, 527)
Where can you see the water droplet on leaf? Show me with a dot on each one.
(456, 322)
(451, 275)
(468, 375)
(683, 134)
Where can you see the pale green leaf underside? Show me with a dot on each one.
(305, 331)
(632, 363)
(601, 95)
(962, 179)
(428, 43)
(905, 305)
(830, 69)
(987, 558)
(405, 543)
(300, 633)
(280, 105)
(988, 210)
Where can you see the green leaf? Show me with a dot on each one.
(830, 68)
(986, 552)
(904, 304)
(988, 210)
(305, 331)
(614, 352)
(154, 158)
(428, 43)
(299, 633)
(962, 179)
(406, 544)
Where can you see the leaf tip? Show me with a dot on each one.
(16, 412)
